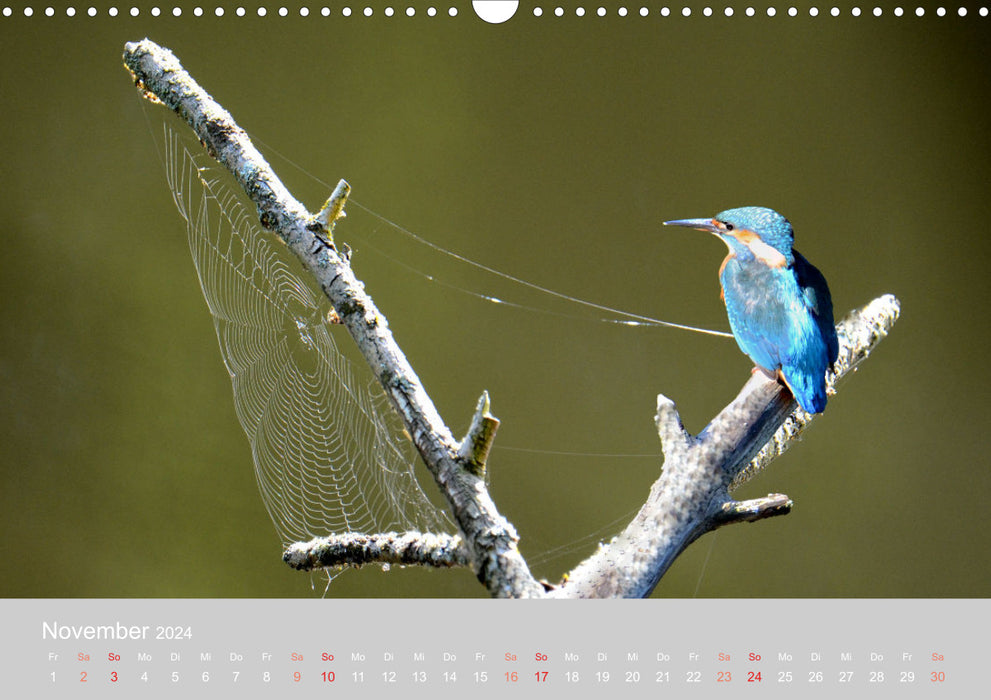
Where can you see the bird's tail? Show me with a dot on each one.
(808, 388)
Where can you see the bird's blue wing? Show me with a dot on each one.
(816, 291)
(782, 318)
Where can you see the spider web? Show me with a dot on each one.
(329, 453)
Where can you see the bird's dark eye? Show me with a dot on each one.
(729, 227)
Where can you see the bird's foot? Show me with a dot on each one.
(766, 372)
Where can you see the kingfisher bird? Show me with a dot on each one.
(778, 303)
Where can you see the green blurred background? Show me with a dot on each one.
(548, 148)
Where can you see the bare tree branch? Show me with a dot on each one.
(490, 538)
(477, 443)
(691, 496)
(752, 510)
(355, 549)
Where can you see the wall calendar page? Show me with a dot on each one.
(494, 348)
(432, 648)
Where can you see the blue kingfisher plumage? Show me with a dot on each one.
(778, 303)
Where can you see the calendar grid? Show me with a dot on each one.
(525, 649)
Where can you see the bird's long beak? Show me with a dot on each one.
(701, 224)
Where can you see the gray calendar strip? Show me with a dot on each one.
(525, 649)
